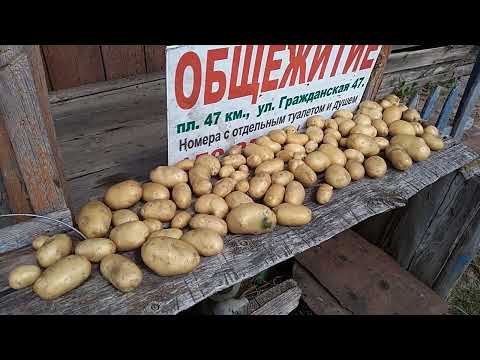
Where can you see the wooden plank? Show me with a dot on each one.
(367, 281)
(281, 299)
(47, 76)
(123, 60)
(447, 110)
(396, 48)
(73, 65)
(4, 208)
(377, 74)
(430, 104)
(243, 256)
(155, 58)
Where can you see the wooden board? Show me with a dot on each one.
(47, 76)
(123, 60)
(281, 299)
(377, 74)
(243, 256)
(155, 58)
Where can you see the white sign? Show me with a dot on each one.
(218, 96)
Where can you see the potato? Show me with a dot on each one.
(314, 134)
(180, 220)
(95, 249)
(293, 149)
(317, 121)
(226, 171)
(284, 155)
(242, 185)
(121, 272)
(23, 276)
(207, 242)
(318, 161)
(294, 193)
(403, 107)
(57, 247)
(330, 139)
(168, 257)
(415, 147)
(293, 215)
(337, 176)
(130, 236)
(385, 104)
(336, 134)
(154, 191)
(199, 177)
(363, 143)
(172, 233)
(211, 204)
(254, 160)
(266, 141)
(262, 151)
(375, 167)
(381, 142)
(355, 169)
(343, 113)
(411, 115)
(352, 154)
(394, 99)
(400, 127)
(163, 210)
(39, 241)
(311, 146)
(235, 149)
(239, 175)
(270, 166)
(236, 198)
(182, 195)
(391, 114)
(331, 124)
(434, 143)
(398, 157)
(234, 160)
(362, 119)
(123, 216)
(153, 225)
(62, 277)
(324, 193)
(224, 187)
(418, 128)
(305, 175)
(369, 104)
(346, 126)
(274, 195)
(432, 130)
(283, 177)
(293, 164)
(381, 127)
(204, 221)
(335, 155)
(290, 129)
(210, 162)
(259, 185)
(251, 218)
(94, 219)
(279, 136)
(368, 130)
(343, 142)
(185, 165)
(168, 176)
(244, 168)
(373, 114)
(124, 194)
(297, 138)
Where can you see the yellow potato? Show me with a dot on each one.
(266, 141)
(254, 160)
(434, 143)
(317, 121)
(244, 168)
(339, 120)
(337, 176)
(239, 175)
(355, 169)
(346, 126)
(385, 104)
(259, 185)
(403, 107)
(283, 177)
(204, 221)
(293, 164)
(279, 136)
(236, 198)
(368, 130)
(57, 247)
(330, 139)
(121, 272)
(270, 166)
(290, 130)
(207, 242)
(418, 128)
(123, 216)
(284, 155)
(153, 225)
(394, 99)
(343, 142)
(324, 194)
(180, 220)
(224, 187)
(210, 162)
(297, 138)
(432, 130)
(182, 195)
(242, 185)
(391, 114)
(311, 146)
(226, 171)
(363, 143)
(162, 210)
(369, 104)
(398, 157)
(235, 149)
(373, 114)
(411, 115)
(335, 155)
(381, 142)
(331, 124)
(129, 236)
(294, 149)
(23, 276)
(154, 191)
(352, 154)
(415, 146)
(400, 127)
(381, 127)
(262, 151)
(335, 133)
(305, 175)
(234, 160)
(94, 219)
(211, 204)
(362, 119)
(293, 215)
(124, 194)
(168, 176)
(94, 250)
(274, 195)
(172, 233)
(185, 165)
(39, 241)
(199, 177)
(294, 193)
(375, 167)
(251, 218)
(343, 113)
(314, 133)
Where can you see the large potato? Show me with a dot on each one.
(362, 119)
(310, 146)
(168, 257)
(363, 143)
(207, 242)
(168, 176)
(180, 220)
(236, 198)
(346, 126)
(266, 141)
(317, 121)
(274, 195)
(337, 176)
(162, 210)
(293, 215)
(242, 185)
(210, 162)
(123, 195)
(434, 143)
(297, 138)
(324, 193)
(236, 160)
(335, 133)
(172, 233)
(23, 276)
(121, 272)
(294, 193)
(418, 128)
(375, 167)
(373, 114)
(57, 247)
(381, 142)
(94, 219)
(251, 218)
(352, 154)
(259, 185)
(262, 151)
(432, 130)
(394, 99)
(368, 130)
(335, 155)
(343, 113)
(182, 195)
(314, 133)
(41, 240)
(411, 115)
(415, 147)
(123, 216)
(154, 191)
(205, 221)
(278, 135)
(129, 236)
(398, 157)
(211, 204)
(239, 175)
(254, 160)
(391, 114)
(401, 127)
(226, 171)
(270, 166)
(294, 148)
(95, 249)
(235, 149)
(381, 127)
(199, 177)
(330, 139)
(283, 177)
(369, 104)
(318, 161)
(355, 169)
(153, 224)
(185, 165)
(305, 175)
(62, 277)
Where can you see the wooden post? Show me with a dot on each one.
(377, 74)
(30, 163)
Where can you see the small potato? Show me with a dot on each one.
(224, 187)
(129, 236)
(284, 155)
(242, 185)
(153, 225)
(182, 195)
(204, 221)
(62, 277)
(294, 193)
(381, 142)
(293, 164)
(432, 130)
(434, 143)
(185, 165)
(343, 142)
(262, 151)
(226, 171)
(283, 177)
(331, 124)
(318, 161)
(211, 204)
(57, 247)
(154, 191)
(363, 143)
(266, 141)
(259, 185)
(293, 215)
(385, 104)
(236, 198)
(369, 104)
(23, 276)
(254, 160)
(336, 134)
(290, 130)
(368, 130)
(362, 119)
(121, 272)
(279, 136)
(94, 219)
(381, 127)
(162, 210)
(305, 175)
(394, 99)
(311, 146)
(391, 114)
(235, 149)
(343, 113)
(400, 127)
(210, 162)
(239, 175)
(324, 194)
(330, 139)
(317, 121)
(335, 155)
(411, 115)
(375, 167)
(274, 195)
(314, 134)
(294, 148)
(244, 168)
(124, 194)
(355, 155)
(168, 176)
(41, 240)
(207, 242)
(399, 157)
(95, 249)
(180, 220)
(123, 216)
(418, 128)
(270, 166)
(251, 218)
(337, 176)
(346, 126)
(297, 138)
(172, 233)
(339, 119)
(355, 169)
(169, 257)
(234, 160)
(373, 114)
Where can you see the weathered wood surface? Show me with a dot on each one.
(4, 208)
(155, 58)
(376, 76)
(123, 60)
(367, 281)
(281, 299)
(243, 256)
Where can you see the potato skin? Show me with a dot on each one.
(155, 191)
(262, 151)
(432, 130)
(234, 160)
(259, 185)
(169, 257)
(317, 121)
(123, 195)
(226, 171)
(293, 215)
(294, 193)
(375, 167)
(297, 138)
(391, 114)
(337, 176)
(401, 127)
(210, 162)
(274, 195)
(39, 241)
(62, 277)
(368, 130)
(94, 250)
(153, 225)
(162, 210)
(324, 194)
(129, 236)
(172, 233)
(305, 175)
(94, 219)
(415, 146)
(283, 177)
(168, 176)
(411, 115)
(355, 169)
(57, 247)
(381, 142)
(352, 154)
(180, 220)
(182, 195)
(318, 161)
(204, 221)
(434, 143)
(23, 276)
(381, 126)
(270, 166)
(266, 141)
(207, 242)
(242, 185)
(122, 216)
(346, 126)
(363, 143)
(251, 218)
(314, 133)
(121, 272)
(398, 157)
(279, 136)
(335, 155)
(185, 165)
(224, 187)
(236, 198)
(239, 175)
(211, 204)
(199, 177)
(362, 119)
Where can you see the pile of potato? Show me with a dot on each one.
(185, 210)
